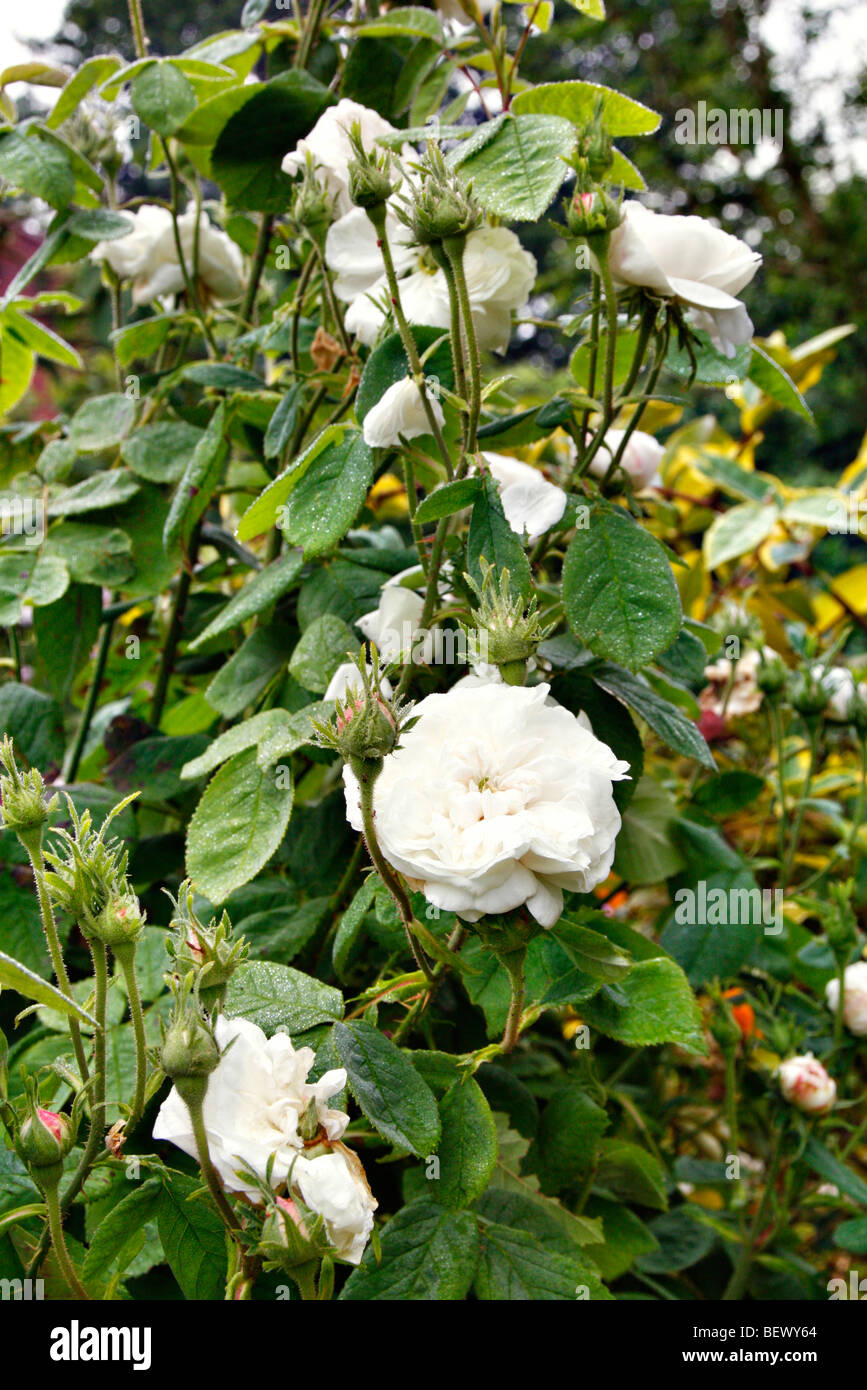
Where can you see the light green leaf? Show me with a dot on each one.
(517, 170)
(263, 513)
(328, 496)
(101, 423)
(654, 1004)
(14, 975)
(162, 96)
(237, 826)
(276, 996)
(738, 532)
(576, 102)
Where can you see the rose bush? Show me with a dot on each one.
(435, 773)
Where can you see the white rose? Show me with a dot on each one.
(494, 800)
(805, 1083)
(334, 1186)
(734, 698)
(328, 144)
(394, 624)
(840, 687)
(687, 258)
(531, 504)
(220, 263)
(256, 1097)
(500, 275)
(347, 680)
(128, 255)
(854, 997)
(641, 457)
(400, 412)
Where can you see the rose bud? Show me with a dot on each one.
(854, 997)
(806, 1084)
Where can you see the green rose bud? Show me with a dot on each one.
(120, 923)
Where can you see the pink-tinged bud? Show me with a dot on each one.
(286, 1204)
(52, 1122)
(806, 1084)
(584, 202)
(44, 1138)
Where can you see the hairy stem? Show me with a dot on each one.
(55, 951)
(58, 1241)
(126, 959)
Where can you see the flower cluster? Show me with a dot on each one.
(255, 1106)
(148, 255)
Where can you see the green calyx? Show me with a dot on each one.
(366, 725)
(190, 1051)
(506, 631)
(211, 952)
(23, 798)
(441, 209)
(120, 923)
(370, 181)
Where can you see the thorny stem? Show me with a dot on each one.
(298, 306)
(260, 256)
(454, 248)
(423, 1001)
(514, 965)
(377, 217)
(367, 772)
(311, 28)
(189, 283)
(92, 699)
(55, 950)
(193, 1103)
(126, 959)
(58, 1241)
(136, 20)
(173, 636)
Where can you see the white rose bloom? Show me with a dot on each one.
(395, 622)
(495, 800)
(128, 255)
(744, 697)
(531, 504)
(839, 684)
(256, 1097)
(805, 1083)
(347, 679)
(328, 144)
(854, 997)
(687, 258)
(641, 457)
(500, 275)
(400, 412)
(334, 1185)
(220, 263)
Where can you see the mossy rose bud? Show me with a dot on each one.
(44, 1138)
(189, 1048)
(120, 923)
